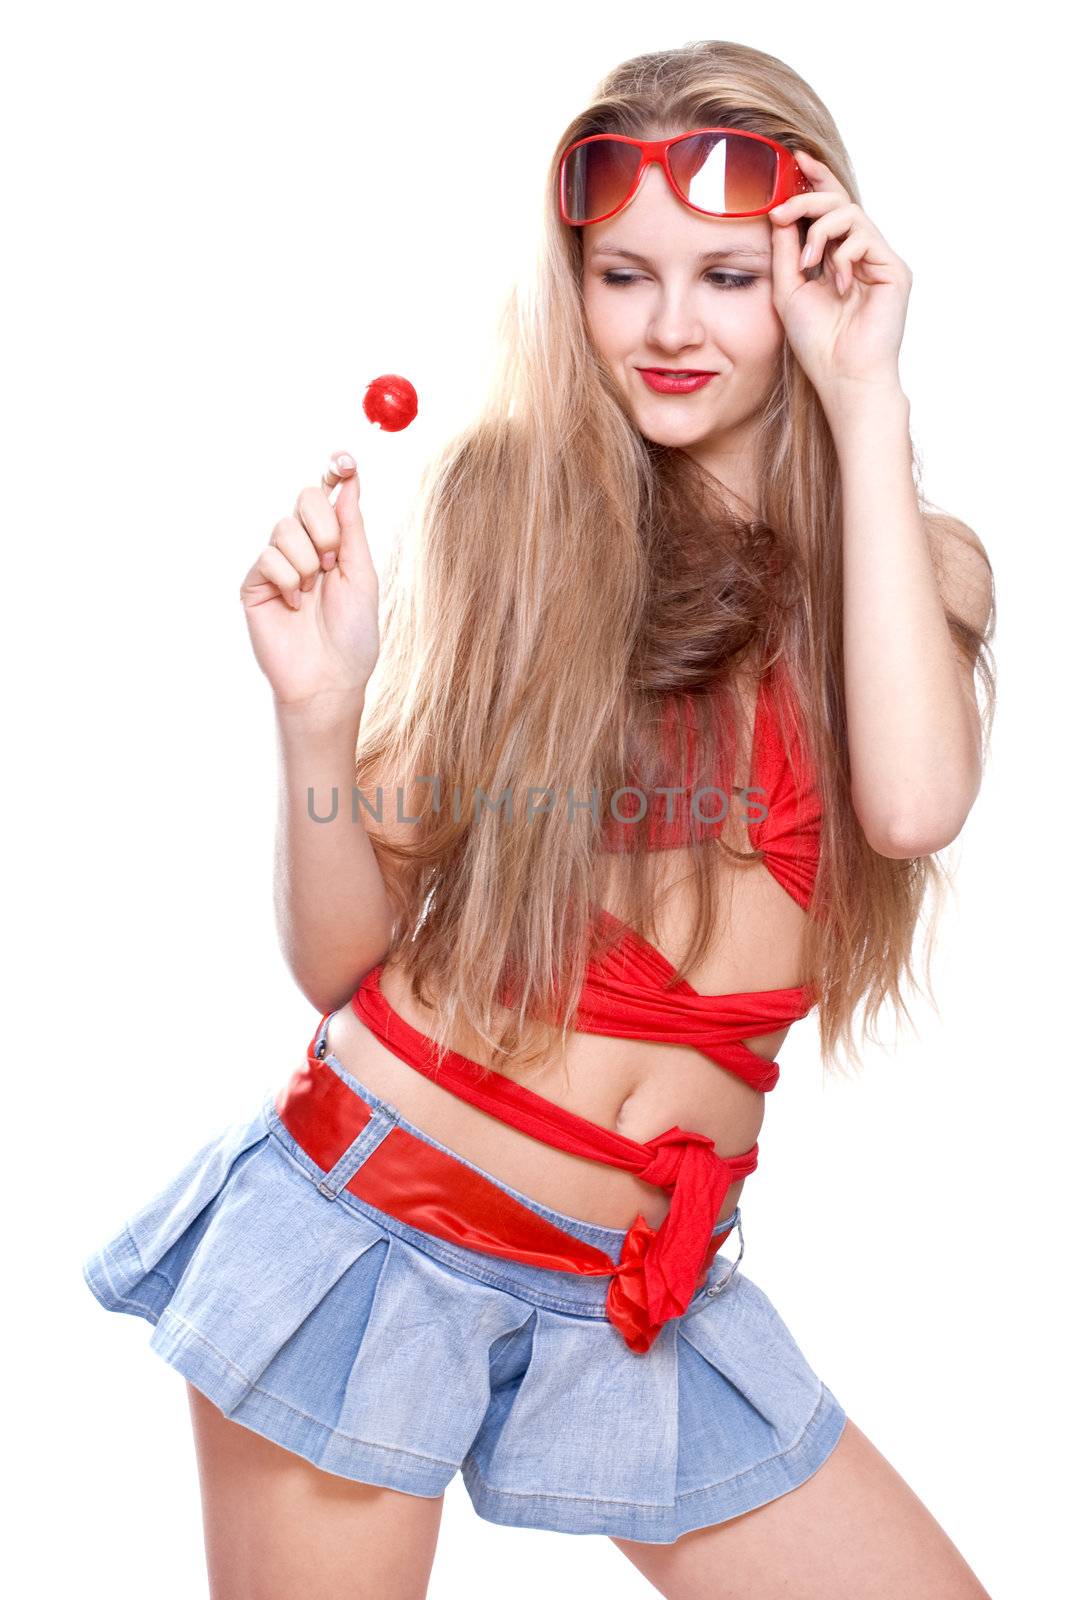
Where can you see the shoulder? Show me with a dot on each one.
(963, 569)
(380, 815)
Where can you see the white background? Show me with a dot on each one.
(221, 222)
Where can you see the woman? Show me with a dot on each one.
(676, 704)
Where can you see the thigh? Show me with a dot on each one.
(276, 1526)
(854, 1530)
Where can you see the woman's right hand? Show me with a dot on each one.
(311, 598)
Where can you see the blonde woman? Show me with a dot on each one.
(675, 701)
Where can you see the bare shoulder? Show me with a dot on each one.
(390, 835)
(963, 568)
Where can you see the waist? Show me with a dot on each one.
(626, 1086)
(357, 1146)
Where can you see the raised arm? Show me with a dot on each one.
(914, 728)
(311, 604)
(334, 915)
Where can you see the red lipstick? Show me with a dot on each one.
(676, 380)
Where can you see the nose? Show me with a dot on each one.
(675, 323)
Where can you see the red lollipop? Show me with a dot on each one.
(391, 402)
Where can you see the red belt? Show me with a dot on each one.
(425, 1187)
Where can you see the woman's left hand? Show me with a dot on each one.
(839, 334)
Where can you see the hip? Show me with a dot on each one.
(331, 1279)
(602, 1081)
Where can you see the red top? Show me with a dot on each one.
(625, 992)
(625, 996)
(783, 783)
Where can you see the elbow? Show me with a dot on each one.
(913, 831)
(903, 838)
(330, 990)
(906, 845)
(327, 1000)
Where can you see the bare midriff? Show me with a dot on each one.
(631, 1086)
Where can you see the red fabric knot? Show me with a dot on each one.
(670, 1150)
(658, 1268)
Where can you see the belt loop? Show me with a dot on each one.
(720, 1285)
(380, 1125)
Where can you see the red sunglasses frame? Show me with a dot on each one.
(789, 179)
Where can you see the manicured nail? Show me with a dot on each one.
(329, 560)
(806, 255)
(840, 282)
(343, 462)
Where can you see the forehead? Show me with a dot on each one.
(637, 233)
(748, 250)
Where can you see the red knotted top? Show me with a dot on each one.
(625, 995)
(657, 1273)
(782, 782)
(626, 991)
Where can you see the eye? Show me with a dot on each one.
(726, 280)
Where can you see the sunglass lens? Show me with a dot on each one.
(723, 173)
(597, 177)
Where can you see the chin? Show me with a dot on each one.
(674, 438)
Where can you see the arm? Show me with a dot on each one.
(913, 721)
(335, 919)
(914, 732)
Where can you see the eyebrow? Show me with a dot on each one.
(749, 253)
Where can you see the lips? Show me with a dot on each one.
(667, 380)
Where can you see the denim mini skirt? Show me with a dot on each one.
(386, 1354)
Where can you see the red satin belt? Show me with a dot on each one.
(418, 1184)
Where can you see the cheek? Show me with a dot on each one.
(610, 324)
(755, 334)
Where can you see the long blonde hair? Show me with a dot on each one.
(563, 582)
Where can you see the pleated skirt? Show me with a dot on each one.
(383, 1353)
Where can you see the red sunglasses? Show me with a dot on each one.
(718, 172)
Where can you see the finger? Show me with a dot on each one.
(850, 250)
(293, 540)
(341, 464)
(875, 261)
(820, 175)
(342, 467)
(793, 221)
(834, 272)
(318, 516)
(278, 570)
(353, 554)
(834, 225)
(813, 203)
(786, 273)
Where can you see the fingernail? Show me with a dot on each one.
(806, 255)
(329, 560)
(840, 282)
(295, 600)
(343, 462)
(780, 211)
